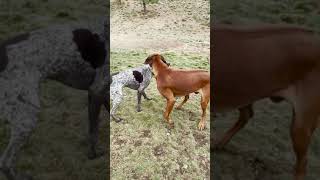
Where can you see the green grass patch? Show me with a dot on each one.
(141, 145)
(21, 16)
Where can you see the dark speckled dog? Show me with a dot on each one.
(137, 79)
(74, 54)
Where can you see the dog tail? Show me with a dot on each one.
(4, 60)
(113, 74)
(3, 57)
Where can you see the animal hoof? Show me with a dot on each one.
(138, 110)
(179, 108)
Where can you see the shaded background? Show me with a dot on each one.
(58, 147)
(263, 150)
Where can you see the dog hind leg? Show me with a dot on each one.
(205, 97)
(116, 100)
(302, 128)
(183, 102)
(304, 122)
(246, 113)
(21, 129)
(305, 98)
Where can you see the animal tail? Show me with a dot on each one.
(3, 57)
(4, 60)
(113, 74)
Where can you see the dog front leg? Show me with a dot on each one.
(93, 112)
(145, 96)
(98, 93)
(170, 103)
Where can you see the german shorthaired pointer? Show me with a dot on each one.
(137, 79)
(74, 54)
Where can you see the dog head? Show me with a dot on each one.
(156, 58)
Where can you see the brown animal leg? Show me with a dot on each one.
(205, 97)
(183, 102)
(246, 113)
(302, 128)
(170, 103)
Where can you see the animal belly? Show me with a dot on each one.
(185, 91)
(133, 86)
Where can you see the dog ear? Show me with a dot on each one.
(162, 58)
(164, 61)
(149, 60)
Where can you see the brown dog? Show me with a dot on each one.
(269, 61)
(172, 83)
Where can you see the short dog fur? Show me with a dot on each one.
(73, 54)
(137, 79)
(172, 83)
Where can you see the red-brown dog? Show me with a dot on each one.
(251, 63)
(172, 83)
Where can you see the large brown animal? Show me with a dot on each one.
(251, 63)
(172, 83)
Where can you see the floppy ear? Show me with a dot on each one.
(164, 61)
(149, 61)
(162, 58)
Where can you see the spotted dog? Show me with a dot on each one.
(137, 79)
(73, 54)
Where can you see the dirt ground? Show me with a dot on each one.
(142, 147)
(170, 26)
(263, 150)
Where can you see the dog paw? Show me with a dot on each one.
(170, 125)
(118, 120)
(178, 108)
(201, 126)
